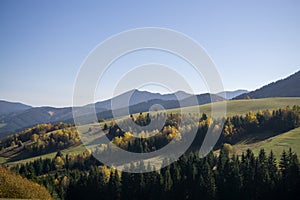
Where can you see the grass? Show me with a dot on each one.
(234, 107)
(2, 160)
(277, 144)
(72, 150)
(2, 125)
(240, 107)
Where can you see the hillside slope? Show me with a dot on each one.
(288, 87)
(140, 101)
(240, 107)
(9, 107)
(277, 144)
(31, 117)
(231, 94)
(16, 187)
(39, 140)
(234, 107)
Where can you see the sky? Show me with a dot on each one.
(44, 43)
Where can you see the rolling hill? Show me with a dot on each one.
(240, 107)
(231, 94)
(17, 116)
(288, 87)
(139, 101)
(234, 107)
(277, 144)
(134, 97)
(17, 121)
(13, 186)
(10, 107)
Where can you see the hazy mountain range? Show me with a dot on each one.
(17, 116)
(9, 107)
(287, 87)
(14, 119)
(231, 94)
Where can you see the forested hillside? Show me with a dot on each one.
(236, 128)
(217, 176)
(38, 140)
(13, 186)
(191, 177)
(9, 107)
(140, 101)
(287, 87)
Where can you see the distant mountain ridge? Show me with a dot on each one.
(287, 87)
(134, 97)
(16, 116)
(231, 94)
(9, 107)
(139, 101)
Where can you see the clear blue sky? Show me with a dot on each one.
(43, 43)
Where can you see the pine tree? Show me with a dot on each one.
(207, 186)
(167, 184)
(289, 165)
(177, 189)
(127, 186)
(272, 168)
(262, 179)
(105, 127)
(234, 180)
(248, 173)
(114, 185)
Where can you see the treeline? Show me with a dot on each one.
(235, 128)
(276, 121)
(14, 186)
(191, 177)
(43, 138)
(52, 173)
(47, 138)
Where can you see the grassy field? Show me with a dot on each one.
(277, 144)
(240, 107)
(234, 107)
(2, 124)
(2, 160)
(72, 150)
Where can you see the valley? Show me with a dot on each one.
(260, 138)
(234, 107)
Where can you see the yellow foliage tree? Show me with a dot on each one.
(59, 162)
(127, 136)
(106, 171)
(34, 137)
(117, 140)
(17, 187)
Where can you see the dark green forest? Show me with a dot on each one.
(235, 128)
(191, 177)
(216, 176)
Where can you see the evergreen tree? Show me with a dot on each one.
(167, 183)
(262, 179)
(207, 186)
(114, 185)
(273, 175)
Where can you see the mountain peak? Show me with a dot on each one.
(287, 87)
(9, 107)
